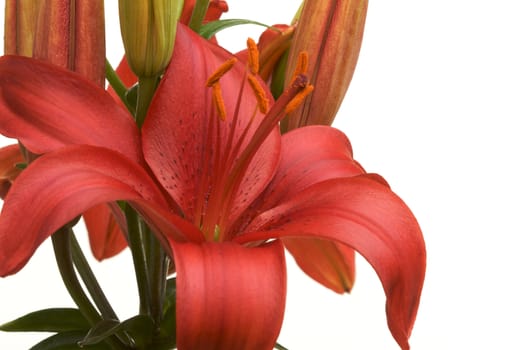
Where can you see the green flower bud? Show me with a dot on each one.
(148, 29)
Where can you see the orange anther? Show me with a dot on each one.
(222, 69)
(259, 92)
(218, 101)
(298, 99)
(301, 64)
(254, 56)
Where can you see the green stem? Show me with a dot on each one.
(62, 247)
(145, 93)
(91, 283)
(157, 262)
(117, 85)
(200, 9)
(135, 240)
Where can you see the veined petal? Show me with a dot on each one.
(106, 237)
(190, 149)
(229, 296)
(47, 107)
(367, 216)
(61, 185)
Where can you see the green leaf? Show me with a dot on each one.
(48, 320)
(208, 30)
(166, 338)
(67, 341)
(279, 347)
(140, 328)
(170, 295)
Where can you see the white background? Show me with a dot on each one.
(437, 106)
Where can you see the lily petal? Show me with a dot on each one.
(187, 144)
(330, 264)
(61, 185)
(9, 157)
(311, 155)
(367, 216)
(30, 92)
(106, 237)
(229, 296)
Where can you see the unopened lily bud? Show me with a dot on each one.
(148, 29)
(70, 34)
(214, 11)
(331, 33)
(19, 26)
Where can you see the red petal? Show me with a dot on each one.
(106, 237)
(228, 296)
(190, 150)
(311, 155)
(47, 107)
(329, 263)
(9, 157)
(61, 185)
(367, 216)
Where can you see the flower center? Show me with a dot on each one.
(231, 166)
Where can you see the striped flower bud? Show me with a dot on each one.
(19, 30)
(331, 34)
(70, 34)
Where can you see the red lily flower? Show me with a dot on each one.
(223, 196)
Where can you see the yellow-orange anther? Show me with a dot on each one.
(224, 68)
(259, 92)
(218, 101)
(299, 98)
(254, 59)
